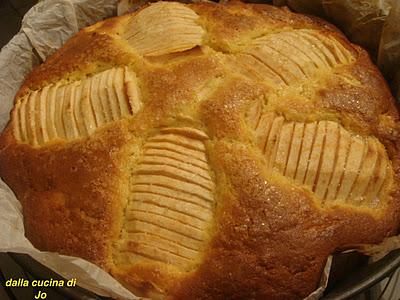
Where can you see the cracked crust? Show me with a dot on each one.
(178, 168)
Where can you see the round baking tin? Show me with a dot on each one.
(350, 275)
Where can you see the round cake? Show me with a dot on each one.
(206, 151)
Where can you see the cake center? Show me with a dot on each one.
(171, 201)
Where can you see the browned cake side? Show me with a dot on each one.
(206, 151)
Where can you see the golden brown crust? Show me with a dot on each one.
(268, 236)
(68, 206)
(366, 100)
(268, 233)
(88, 52)
(236, 22)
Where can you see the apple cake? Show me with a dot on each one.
(206, 151)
